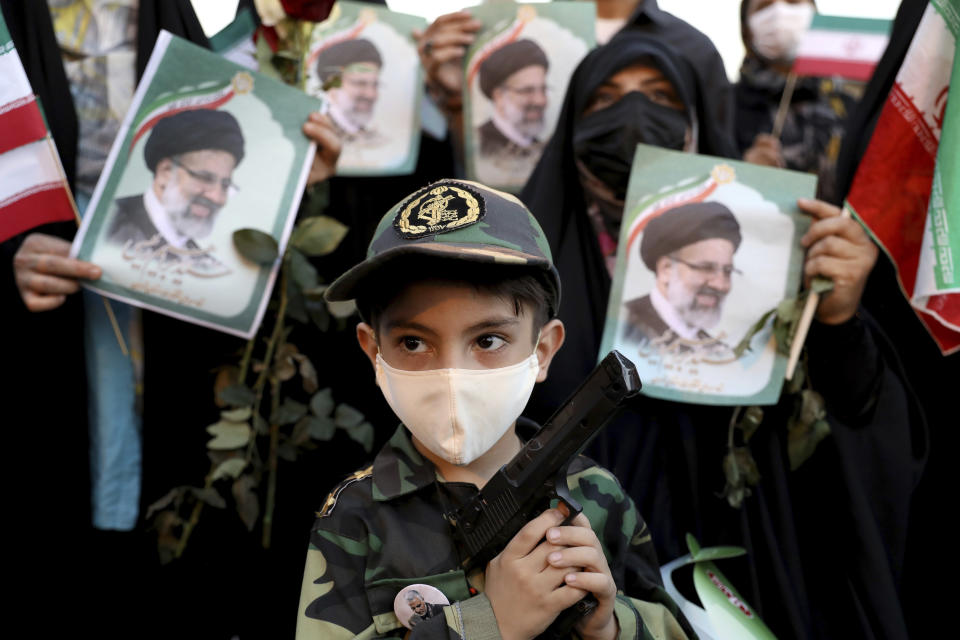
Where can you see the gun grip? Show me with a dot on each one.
(563, 495)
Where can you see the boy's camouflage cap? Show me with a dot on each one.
(455, 220)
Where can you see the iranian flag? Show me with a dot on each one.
(839, 46)
(907, 188)
(33, 189)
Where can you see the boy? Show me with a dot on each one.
(459, 297)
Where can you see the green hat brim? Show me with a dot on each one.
(352, 282)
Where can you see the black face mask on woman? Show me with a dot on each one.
(605, 140)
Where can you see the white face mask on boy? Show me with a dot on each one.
(778, 28)
(458, 414)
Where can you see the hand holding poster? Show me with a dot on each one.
(367, 59)
(207, 148)
(707, 246)
(517, 73)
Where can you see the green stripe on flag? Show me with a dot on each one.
(944, 209)
(167, 98)
(239, 30)
(6, 42)
(843, 23)
(950, 11)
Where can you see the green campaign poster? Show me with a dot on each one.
(517, 73)
(707, 246)
(367, 59)
(207, 147)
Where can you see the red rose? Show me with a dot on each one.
(311, 10)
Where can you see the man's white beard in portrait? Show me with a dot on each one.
(177, 207)
(684, 300)
(359, 111)
(528, 121)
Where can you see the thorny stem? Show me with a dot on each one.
(271, 468)
(733, 424)
(245, 362)
(258, 389)
(274, 406)
(194, 519)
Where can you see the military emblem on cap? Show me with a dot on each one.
(439, 208)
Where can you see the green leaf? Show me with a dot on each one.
(287, 451)
(321, 404)
(744, 344)
(719, 553)
(693, 545)
(289, 412)
(812, 407)
(237, 415)
(346, 417)
(750, 422)
(256, 246)
(318, 236)
(333, 82)
(308, 373)
(175, 494)
(231, 468)
(322, 428)
(317, 310)
(342, 308)
(820, 284)
(788, 310)
(296, 303)
(237, 395)
(795, 384)
(362, 433)
(802, 440)
(740, 470)
(302, 272)
(260, 425)
(228, 435)
(210, 496)
(248, 507)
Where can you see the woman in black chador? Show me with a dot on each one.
(825, 540)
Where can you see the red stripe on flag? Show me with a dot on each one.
(896, 210)
(149, 124)
(20, 123)
(38, 205)
(826, 67)
(946, 338)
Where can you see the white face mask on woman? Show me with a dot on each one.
(778, 28)
(458, 414)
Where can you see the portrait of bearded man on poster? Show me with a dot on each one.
(192, 156)
(514, 79)
(690, 250)
(353, 99)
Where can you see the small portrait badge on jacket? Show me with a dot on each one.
(417, 602)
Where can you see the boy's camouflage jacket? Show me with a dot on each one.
(382, 529)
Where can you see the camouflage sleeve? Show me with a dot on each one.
(333, 603)
(644, 610)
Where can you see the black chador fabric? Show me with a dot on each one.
(933, 376)
(714, 93)
(555, 196)
(826, 542)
